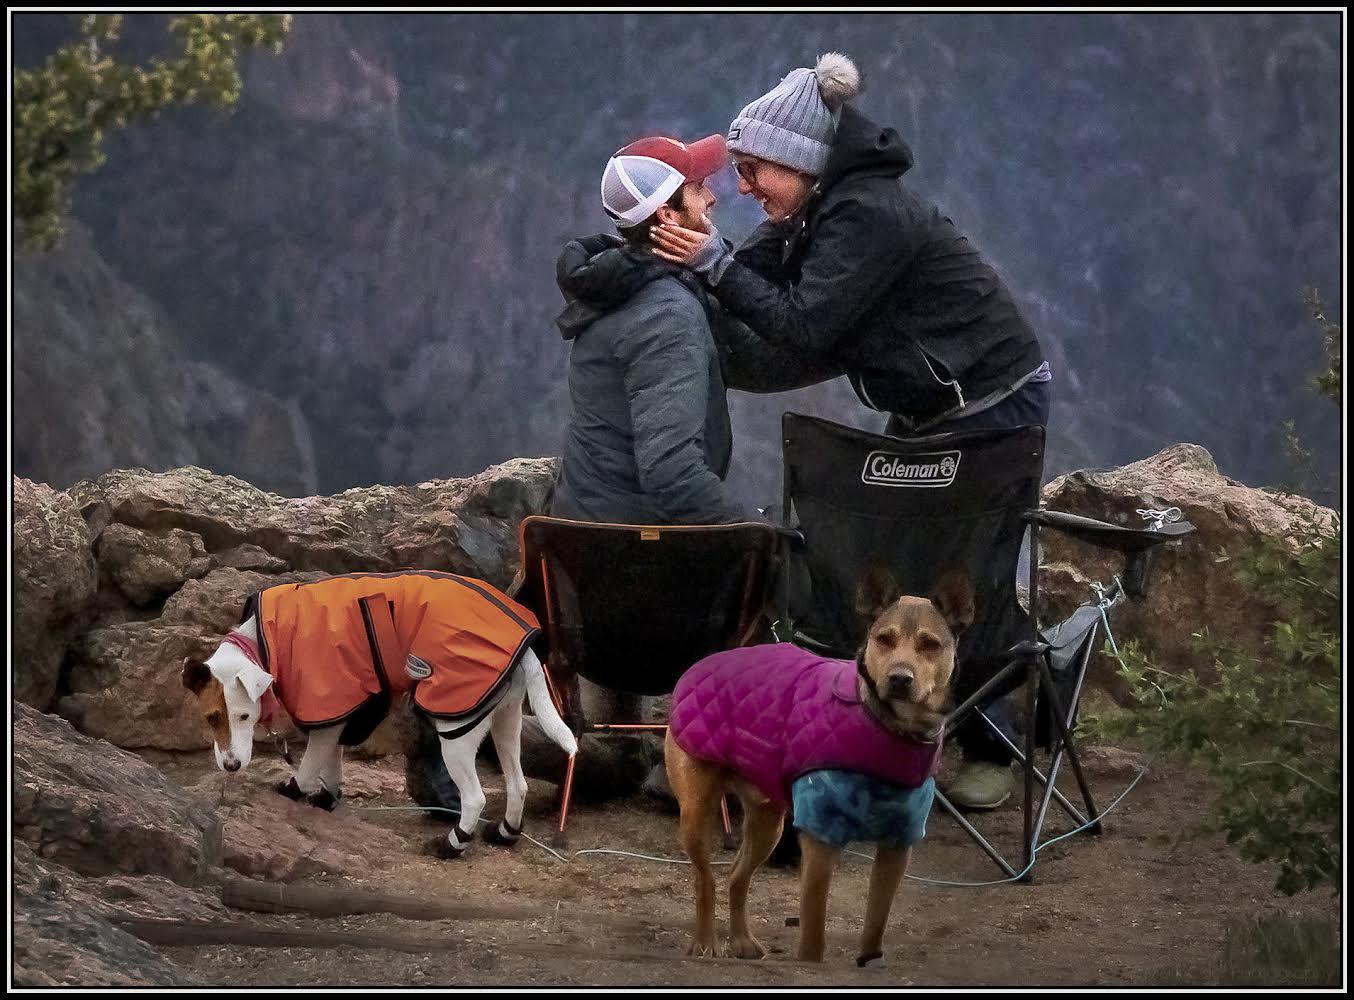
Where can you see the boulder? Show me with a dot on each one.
(1189, 587)
(55, 581)
(124, 680)
(455, 525)
(180, 551)
(95, 809)
(214, 604)
(125, 685)
(279, 840)
(270, 837)
(60, 935)
(149, 566)
(250, 557)
(149, 897)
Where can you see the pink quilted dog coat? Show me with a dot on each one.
(773, 713)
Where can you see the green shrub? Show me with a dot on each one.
(1277, 950)
(64, 110)
(1267, 728)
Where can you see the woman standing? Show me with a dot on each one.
(854, 273)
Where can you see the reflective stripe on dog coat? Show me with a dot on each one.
(773, 713)
(330, 652)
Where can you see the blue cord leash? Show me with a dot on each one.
(1048, 843)
(682, 861)
(527, 836)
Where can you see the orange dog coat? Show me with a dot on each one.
(334, 645)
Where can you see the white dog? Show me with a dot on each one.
(234, 690)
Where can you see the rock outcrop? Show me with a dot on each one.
(87, 805)
(100, 834)
(62, 935)
(179, 552)
(54, 587)
(272, 838)
(175, 555)
(1190, 587)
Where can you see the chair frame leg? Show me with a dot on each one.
(607, 728)
(1093, 824)
(972, 831)
(1031, 693)
(1048, 781)
(565, 798)
(1039, 679)
(1066, 733)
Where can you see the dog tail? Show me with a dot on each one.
(543, 706)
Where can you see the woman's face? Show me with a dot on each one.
(779, 190)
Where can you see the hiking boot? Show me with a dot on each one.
(980, 784)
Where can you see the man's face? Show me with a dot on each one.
(697, 200)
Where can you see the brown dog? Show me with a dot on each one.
(904, 671)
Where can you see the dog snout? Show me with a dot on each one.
(230, 764)
(900, 683)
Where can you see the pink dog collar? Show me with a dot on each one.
(246, 645)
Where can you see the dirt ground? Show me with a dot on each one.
(1148, 902)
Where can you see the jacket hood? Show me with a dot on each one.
(862, 147)
(598, 274)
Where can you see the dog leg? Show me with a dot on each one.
(890, 865)
(459, 757)
(698, 787)
(331, 780)
(317, 762)
(761, 830)
(506, 729)
(816, 862)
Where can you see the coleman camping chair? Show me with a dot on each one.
(918, 508)
(631, 607)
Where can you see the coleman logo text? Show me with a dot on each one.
(918, 471)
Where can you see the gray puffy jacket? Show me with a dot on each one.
(649, 439)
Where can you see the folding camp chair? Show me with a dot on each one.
(631, 607)
(918, 508)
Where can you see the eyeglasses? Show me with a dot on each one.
(746, 169)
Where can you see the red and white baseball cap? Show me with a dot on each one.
(644, 175)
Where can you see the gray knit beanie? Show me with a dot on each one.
(794, 124)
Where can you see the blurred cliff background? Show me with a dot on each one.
(349, 279)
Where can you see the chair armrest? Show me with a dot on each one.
(1109, 536)
(793, 538)
(1136, 544)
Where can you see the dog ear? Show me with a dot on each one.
(953, 597)
(196, 674)
(875, 590)
(254, 681)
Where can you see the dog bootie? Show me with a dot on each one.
(503, 835)
(980, 784)
(290, 789)
(453, 845)
(324, 799)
